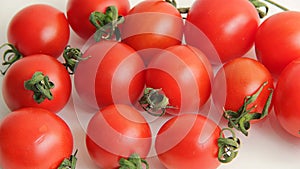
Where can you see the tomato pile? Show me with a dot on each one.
(147, 80)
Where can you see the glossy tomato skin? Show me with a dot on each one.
(188, 141)
(184, 74)
(237, 79)
(17, 96)
(113, 73)
(78, 13)
(46, 32)
(286, 96)
(34, 138)
(160, 25)
(223, 30)
(117, 131)
(276, 42)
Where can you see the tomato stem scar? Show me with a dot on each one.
(133, 162)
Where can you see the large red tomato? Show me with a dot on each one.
(238, 79)
(276, 42)
(151, 25)
(222, 30)
(50, 89)
(111, 73)
(184, 74)
(79, 11)
(39, 29)
(117, 131)
(34, 138)
(188, 141)
(286, 98)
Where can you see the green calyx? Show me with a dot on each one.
(240, 120)
(72, 57)
(133, 162)
(259, 5)
(106, 24)
(228, 147)
(10, 56)
(69, 163)
(41, 86)
(155, 102)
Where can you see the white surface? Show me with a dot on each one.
(267, 146)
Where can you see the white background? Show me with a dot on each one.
(267, 146)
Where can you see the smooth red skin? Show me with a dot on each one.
(237, 79)
(34, 138)
(78, 13)
(16, 96)
(277, 41)
(188, 141)
(159, 26)
(230, 27)
(113, 74)
(286, 97)
(184, 75)
(46, 32)
(117, 131)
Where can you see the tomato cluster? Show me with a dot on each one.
(142, 65)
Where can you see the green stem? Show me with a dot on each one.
(69, 163)
(10, 56)
(106, 24)
(228, 147)
(133, 162)
(277, 5)
(40, 85)
(154, 101)
(72, 57)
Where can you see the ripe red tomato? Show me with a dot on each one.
(237, 79)
(78, 13)
(117, 131)
(184, 75)
(46, 32)
(222, 30)
(188, 141)
(160, 25)
(286, 96)
(276, 42)
(112, 73)
(34, 138)
(17, 96)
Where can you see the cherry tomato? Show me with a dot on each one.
(239, 78)
(117, 131)
(286, 96)
(78, 13)
(111, 73)
(223, 30)
(159, 23)
(51, 90)
(276, 42)
(184, 74)
(188, 141)
(34, 138)
(46, 32)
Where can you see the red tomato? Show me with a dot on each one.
(117, 131)
(188, 141)
(276, 42)
(17, 96)
(46, 32)
(113, 73)
(34, 138)
(159, 26)
(78, 13)
(237, 79)
(286, 98)
(184, 75)
(223, 30)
